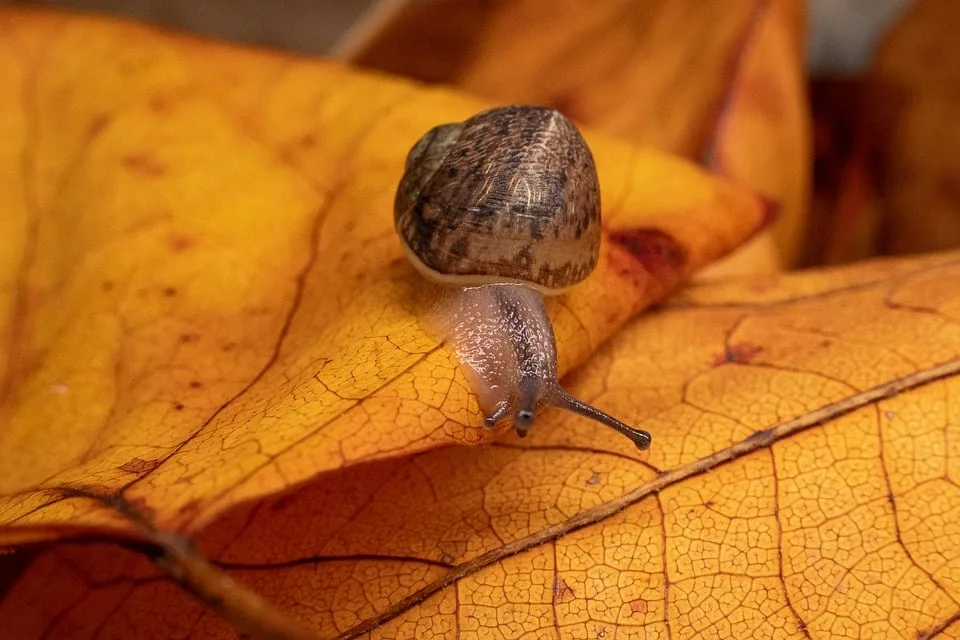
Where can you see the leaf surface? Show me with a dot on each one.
(204, 300)
(804, 484)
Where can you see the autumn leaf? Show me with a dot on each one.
(215, 380)
(720, 83)
(803, 484)
(205, 300)
(919, 166)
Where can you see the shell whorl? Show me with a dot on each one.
(509, 195)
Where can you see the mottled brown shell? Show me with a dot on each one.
(509, 195)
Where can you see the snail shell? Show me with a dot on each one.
(509, 195)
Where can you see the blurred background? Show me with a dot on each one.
(842, 33)
(843, 113)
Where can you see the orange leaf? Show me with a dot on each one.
(204, 298)
(803, 483)
(718, 82)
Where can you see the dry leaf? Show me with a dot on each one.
(719, 82)
(921, 166)
(204, 298)
(803, 483)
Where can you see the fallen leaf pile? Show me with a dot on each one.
(220, 414)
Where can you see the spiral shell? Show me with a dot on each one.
(509, 195)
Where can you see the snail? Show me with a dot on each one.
(500, 210)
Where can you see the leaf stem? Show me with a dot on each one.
(249, 613)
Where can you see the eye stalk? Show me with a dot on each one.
(563, 400)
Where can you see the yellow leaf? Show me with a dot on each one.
(803, 483)
(204, 299)
(717, 82)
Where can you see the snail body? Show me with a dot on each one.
(503, 209)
